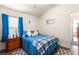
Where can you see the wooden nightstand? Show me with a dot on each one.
(13, 43)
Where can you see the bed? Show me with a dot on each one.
(39, 45)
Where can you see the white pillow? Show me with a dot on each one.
(35, 33)
(29, 33)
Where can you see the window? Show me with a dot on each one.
(13, 25)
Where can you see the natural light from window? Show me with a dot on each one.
(13, 25)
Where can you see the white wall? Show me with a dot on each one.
(61, 27)
(26, 18)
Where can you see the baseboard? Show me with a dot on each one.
(64, 47)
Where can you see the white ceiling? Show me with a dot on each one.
(34, 9)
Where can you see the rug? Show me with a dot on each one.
(62, 51)
(58, 51)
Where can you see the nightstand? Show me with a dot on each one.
(13, 43)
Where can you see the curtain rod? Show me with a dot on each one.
(13, 16)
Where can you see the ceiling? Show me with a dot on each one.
(33, 9)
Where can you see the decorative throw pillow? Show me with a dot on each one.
(32, 31)
(35, 33)
(29, 34)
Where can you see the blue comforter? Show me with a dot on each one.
(30, 47)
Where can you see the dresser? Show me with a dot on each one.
(13, 43)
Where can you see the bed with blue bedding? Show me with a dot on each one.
(39, 45)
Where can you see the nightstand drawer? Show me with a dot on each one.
(13, 43)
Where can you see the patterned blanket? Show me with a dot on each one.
(43, 45)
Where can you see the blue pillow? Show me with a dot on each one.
(25, 33)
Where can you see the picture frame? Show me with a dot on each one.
(50, 21)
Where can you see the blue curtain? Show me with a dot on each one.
(5, 28)
(20, 26)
